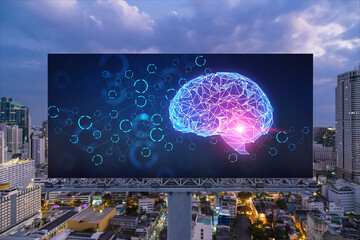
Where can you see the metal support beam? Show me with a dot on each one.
(178, 184)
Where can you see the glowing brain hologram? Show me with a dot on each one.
(226, 104)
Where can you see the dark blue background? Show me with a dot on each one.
(75, 80)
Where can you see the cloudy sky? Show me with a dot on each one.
(31, 29)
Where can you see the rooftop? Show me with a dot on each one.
(124, 217)
(15, 161)
(92, 216)
(315, 217)
(242, 225)
(204, 219)
(11, 237)
(63, 218)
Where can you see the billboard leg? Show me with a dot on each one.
(179, 216)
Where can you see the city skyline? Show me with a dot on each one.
(328, 29)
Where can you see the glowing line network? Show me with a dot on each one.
(226, 104)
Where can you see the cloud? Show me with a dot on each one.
(329, 29)
(310, 34)
(98, 22)
(322, 81)
(119, 14)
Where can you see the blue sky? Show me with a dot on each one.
(31, 29)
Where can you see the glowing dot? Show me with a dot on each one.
(89, 149)
(151, 68)
(125, 125)
(156, 134)
(84, 122)
(141, 86)
(240, 129)
(140, 101)
(74, 139)
(233, 158)
(168, 146)
(97, 134)
(115, 138)
(112, 94)
(146, 152)
(129, 74)
(97, 159)
(53, 111)
(113, 114)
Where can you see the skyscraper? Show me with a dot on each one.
(4, 150)
(38, 150)
(7, 113)
(45, 133)
(15, 113)
(348, 125)
(14, 136)
(2, 147)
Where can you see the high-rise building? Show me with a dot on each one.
(7, 110)
(2, 147)
(316, 226)
(324, 158)
(15, 113)
(324, 136)
(229, 206)
(348, 125)
(146, 205)
(45, 133)
(25, 151)
(341, 195)
(14, 136)
(345, 194)
(17, 172)
(38, 150)
(320, 152)
(202, 227)
(19, 205)
(3, 128)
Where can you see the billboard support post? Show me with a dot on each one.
(179, 216)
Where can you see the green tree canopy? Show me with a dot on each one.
(257, 233)
(281, 203)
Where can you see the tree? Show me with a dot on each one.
(258, 222)
(161, 201)
(280, 234)
(281, 203)
(257, 233)
(262, 195)
(244, 195)
(77, 203)
(131, 211)
(319, 189)
(107, 197)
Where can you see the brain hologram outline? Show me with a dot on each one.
(226, 104)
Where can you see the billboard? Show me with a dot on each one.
(180, 115)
